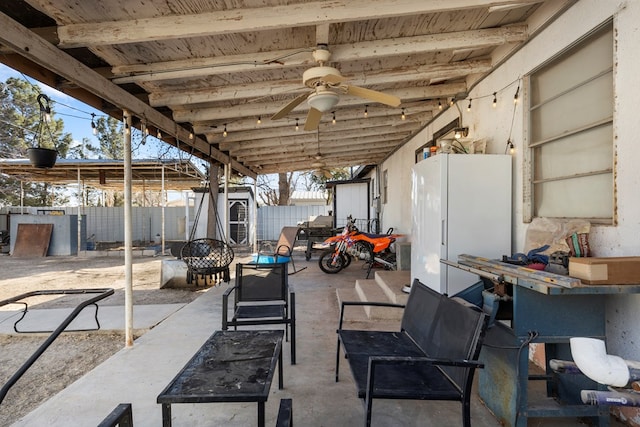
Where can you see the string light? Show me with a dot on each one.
(297, 126)
(403, 116)
(439, 105)
(94, 128)
(146, 130)
(224, 132)
(469, 106)
(515, 97)
(333, 121)
(510, 147)
(366, 110)
(453, 101)
(191, 136)
(495, 99)
(259, 121)
(159, 134)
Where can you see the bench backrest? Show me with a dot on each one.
(420, 311)
(445, 328)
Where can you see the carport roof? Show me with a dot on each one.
(109, 174)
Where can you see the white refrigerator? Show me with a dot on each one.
(461, 204)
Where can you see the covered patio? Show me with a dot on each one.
(137, 375)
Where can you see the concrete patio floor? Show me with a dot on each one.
(137, 375)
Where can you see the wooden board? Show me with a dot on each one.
(606, 271)
(32, 240)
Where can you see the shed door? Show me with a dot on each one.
(239, 221)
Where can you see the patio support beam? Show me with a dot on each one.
(128, 233)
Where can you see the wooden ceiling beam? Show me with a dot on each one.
(343, 162)
(278, 87)
(311, 148)
(370, 146)
(344, 127)
(310, 142)
(415, 111)
(253, 19)
(268, 109)
(370, 50)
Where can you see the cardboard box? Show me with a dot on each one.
(606, 271)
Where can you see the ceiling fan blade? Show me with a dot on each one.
(373, 95)
(313, 119)
(333, 79)
(290, 106)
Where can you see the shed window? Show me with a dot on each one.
(571, 132)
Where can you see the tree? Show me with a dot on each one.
(272, 196)
(20, 119)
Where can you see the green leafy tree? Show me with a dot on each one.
(21, 128)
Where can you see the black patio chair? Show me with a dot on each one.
(262, 297)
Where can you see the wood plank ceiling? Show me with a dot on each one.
(208, 66)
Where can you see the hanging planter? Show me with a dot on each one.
(42, 156)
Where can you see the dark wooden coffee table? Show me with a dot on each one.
(231, 366)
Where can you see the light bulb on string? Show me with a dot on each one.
(224, 132)
(453, 101)
(366, 110)
(515, 97)
(495, 99)
(510, 147)
(259, 121)
(403, 116)
(191, 136)
(469, 106)
(297, 125)
(333, 121)
(439, 105)
(159, 134)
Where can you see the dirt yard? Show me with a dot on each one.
(74, 353)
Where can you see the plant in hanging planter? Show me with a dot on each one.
(44, 154)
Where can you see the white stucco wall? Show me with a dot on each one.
(495, 125)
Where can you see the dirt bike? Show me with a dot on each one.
(373, 249)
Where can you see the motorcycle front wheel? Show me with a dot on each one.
(328, 266)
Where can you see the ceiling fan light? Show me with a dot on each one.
(323, 101)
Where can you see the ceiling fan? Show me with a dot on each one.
(326, 84)
(318, 164)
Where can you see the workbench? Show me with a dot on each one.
(548, 309)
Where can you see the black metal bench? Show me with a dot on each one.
(432, 357)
